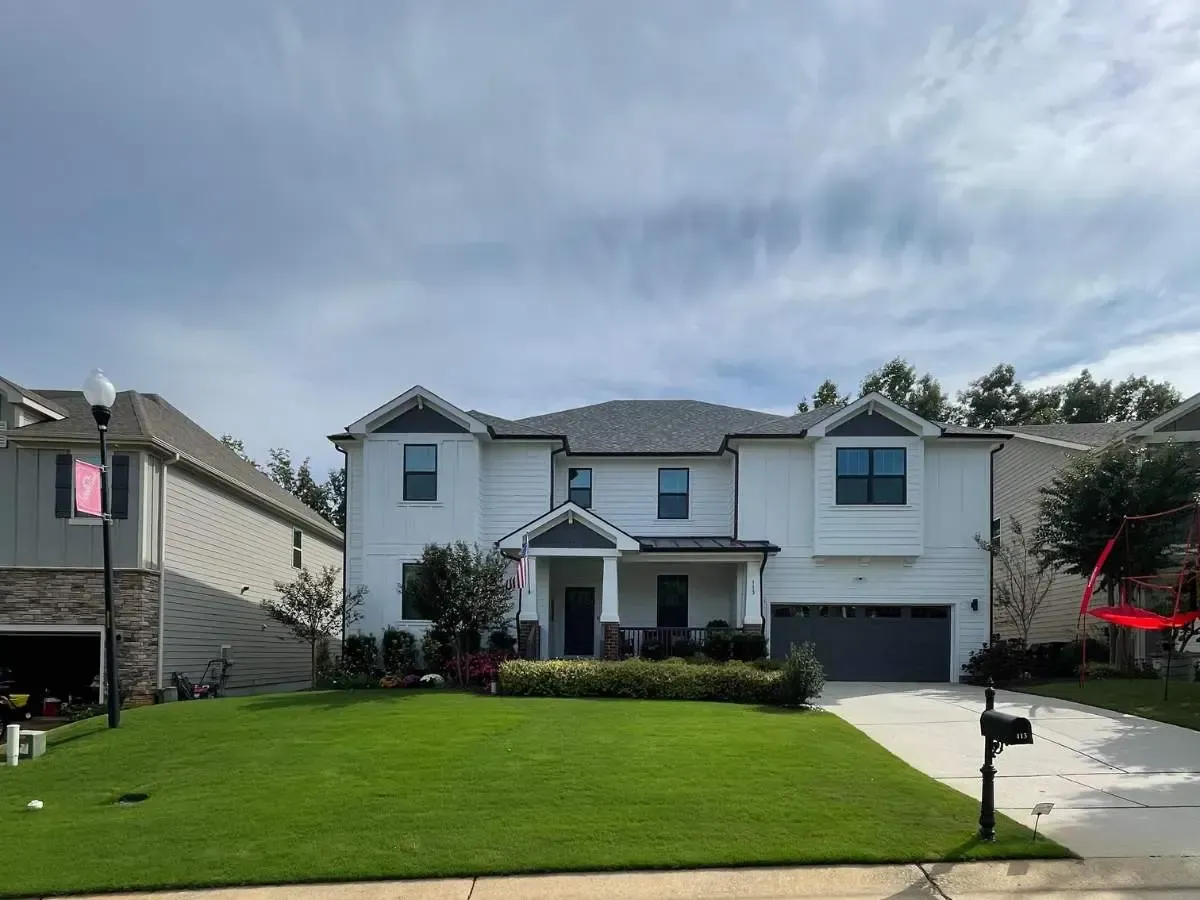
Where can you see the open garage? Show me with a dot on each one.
(868, 643)
(64, 662)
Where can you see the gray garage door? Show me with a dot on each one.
(868, 643)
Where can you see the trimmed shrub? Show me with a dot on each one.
(717, 623)
(768, 665)
(653, 648)
(802, 677)
(748, 645)
(399, 651)
(638, 679)
(684, 649)
(502, 640)
(1001, 661)
(718, 644)
(360, 653)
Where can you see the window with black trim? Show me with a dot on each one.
(297, 549)
(673, 487)
(408, 603)
(420, 472)
(64, 485)
(579, 487)
(996, 530)
(872, 476)
(884, 612)
(672, 601)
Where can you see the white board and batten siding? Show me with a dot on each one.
(625, 492)
(395, 531)
(216, 542)
(923, 553)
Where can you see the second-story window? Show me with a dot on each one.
(673, 493)
(420, 471)
(871, 476)
(297, 549)
(579, 487)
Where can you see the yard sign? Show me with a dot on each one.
(87, 488)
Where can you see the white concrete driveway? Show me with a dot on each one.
(1121, 785)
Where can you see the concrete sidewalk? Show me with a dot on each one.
(1100, 879)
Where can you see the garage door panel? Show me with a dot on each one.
(860, 643)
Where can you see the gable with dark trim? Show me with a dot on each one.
(420, 420)
(572, 536)
(870, 425)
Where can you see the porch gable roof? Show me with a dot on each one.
(568, 512)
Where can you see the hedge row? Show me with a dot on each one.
(732, 682)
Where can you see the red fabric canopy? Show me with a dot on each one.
(1136, 617)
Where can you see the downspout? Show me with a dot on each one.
(992, 556)
(736, 466)
(553, 453)
(345, 541)
(762, 609)
(162, 563)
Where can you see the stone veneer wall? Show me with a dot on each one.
(76, 597)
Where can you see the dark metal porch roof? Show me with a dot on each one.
(703, 545)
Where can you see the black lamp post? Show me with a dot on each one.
(100, 395)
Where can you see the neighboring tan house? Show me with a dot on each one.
(851, 527)
(1030, 461)
(199, 538)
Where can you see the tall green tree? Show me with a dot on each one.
(826, 394)
(898, 381)
(1139, 399)
(326, 498)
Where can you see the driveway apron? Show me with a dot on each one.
(1121, 786)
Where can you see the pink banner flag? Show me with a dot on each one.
(87, 488)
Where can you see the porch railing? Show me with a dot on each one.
(637, 641)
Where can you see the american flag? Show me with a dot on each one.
(522, 564)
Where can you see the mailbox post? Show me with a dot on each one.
(999, 730)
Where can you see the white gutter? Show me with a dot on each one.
(162, 562)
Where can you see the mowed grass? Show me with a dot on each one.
(1136, 696)
(398, 784)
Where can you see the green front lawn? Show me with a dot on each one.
(1136, 696)
(397, 784)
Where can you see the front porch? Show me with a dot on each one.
(593, 591)
(650, 602)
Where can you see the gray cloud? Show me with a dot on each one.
(282, 214)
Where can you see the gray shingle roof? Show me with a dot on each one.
(505, 427)
(1093, 434)
(147, 417)
(32, 395)
(649, 426)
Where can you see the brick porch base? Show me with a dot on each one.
(612, 641)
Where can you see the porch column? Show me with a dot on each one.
(539, 580)
(610, 619)
(752, 616)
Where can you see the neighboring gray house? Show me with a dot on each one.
(199, 538)
(1030, 461)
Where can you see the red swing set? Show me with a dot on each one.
(1178, 529)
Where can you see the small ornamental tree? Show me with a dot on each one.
(462, 591)
(315, 607)
(1021, 580)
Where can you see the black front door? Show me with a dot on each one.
(579, 622)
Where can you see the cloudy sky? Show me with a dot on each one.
(280, 215)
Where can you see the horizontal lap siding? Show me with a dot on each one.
(514, 487)
(625, 493)
(216, 543)
(1022, 468)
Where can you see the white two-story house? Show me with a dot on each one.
(850, 527)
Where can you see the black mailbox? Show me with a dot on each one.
(1005, 729)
